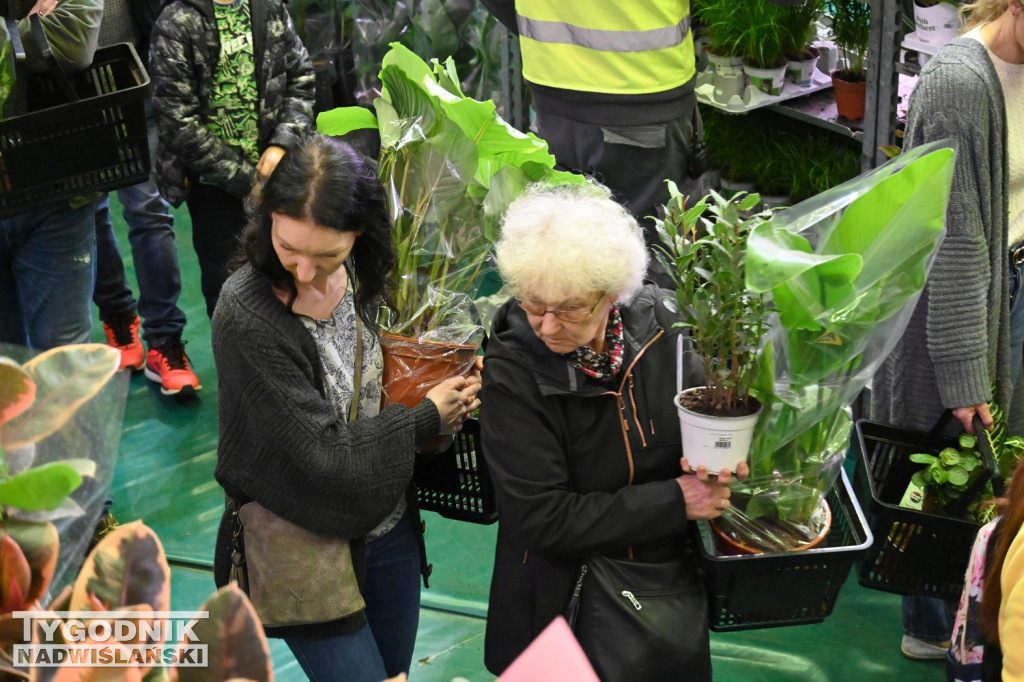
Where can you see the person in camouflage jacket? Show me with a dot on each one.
(194, 164)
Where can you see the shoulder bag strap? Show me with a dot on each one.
(357, 376)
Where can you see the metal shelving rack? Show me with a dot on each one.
(876, 130)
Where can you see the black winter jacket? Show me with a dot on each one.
(581, 467)
(183, 55)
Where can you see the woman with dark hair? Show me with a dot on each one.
(302, 431)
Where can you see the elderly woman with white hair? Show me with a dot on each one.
(579, 429)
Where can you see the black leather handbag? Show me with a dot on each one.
(641, 621)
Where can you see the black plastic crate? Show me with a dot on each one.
(784, 588)
(915, 553)
(455, 483)
(62, 149)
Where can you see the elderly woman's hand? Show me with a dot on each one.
(707, 497)
(455, 399)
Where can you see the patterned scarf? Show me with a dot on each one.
(602, 365)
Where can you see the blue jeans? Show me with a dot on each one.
(151, 235)
(1016, 322)
(392, 595)
(46, 276)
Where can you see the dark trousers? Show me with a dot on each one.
(218, 220)
(632, 161)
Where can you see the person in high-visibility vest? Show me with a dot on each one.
(613, 89)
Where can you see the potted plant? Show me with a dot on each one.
(800, 24)
(763, 43)
(703, 250)
(724, 26)
(851, 26)
(842, 272)
(450, 166)
(936, 22)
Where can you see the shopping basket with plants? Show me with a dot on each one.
(923, 551)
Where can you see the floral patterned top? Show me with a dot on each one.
(602, 365)
(967, 647)
(336, 343)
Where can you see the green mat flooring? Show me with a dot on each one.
(164, 476)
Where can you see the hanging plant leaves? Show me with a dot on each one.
(236, 646)
(40, 544)
(127, 567)
(17, 390)
(44, 487)
(65, 378)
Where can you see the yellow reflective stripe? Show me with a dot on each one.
(573, 67)
(602, 39)
(629, 15)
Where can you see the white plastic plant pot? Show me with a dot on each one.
(715, 442)
(937, 24)
(769, 81)
(728, 78)
(801, 72)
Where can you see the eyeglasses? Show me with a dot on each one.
(570, 316)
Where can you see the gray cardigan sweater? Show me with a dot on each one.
(281, 442)
(957, 343)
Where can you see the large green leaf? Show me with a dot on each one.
(344, 120)
(236, 646)
(65, 378)
(45, 486)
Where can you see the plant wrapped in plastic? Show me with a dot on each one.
(450, 167)
(60, 424)
(843, 272)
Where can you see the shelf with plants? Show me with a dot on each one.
(778, 155)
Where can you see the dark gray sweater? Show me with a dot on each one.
(281, 442)
(957, 343)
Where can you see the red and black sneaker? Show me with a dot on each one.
(168, 366)
(122, 332)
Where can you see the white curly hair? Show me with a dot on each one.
(560, 244)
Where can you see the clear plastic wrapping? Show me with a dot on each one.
(843, 271)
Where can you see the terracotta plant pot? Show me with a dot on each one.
(412, 368)
(849, 97)
(730, 546)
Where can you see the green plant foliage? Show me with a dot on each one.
(838, 281)
(851, 30)
(703, 249)
(798, 25)
(36, 400)
(450, 166)
(951, 473)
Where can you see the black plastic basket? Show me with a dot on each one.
(915, 553)
(61, 149)
(455, 483)
(784, 588)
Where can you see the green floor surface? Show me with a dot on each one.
(164, 477)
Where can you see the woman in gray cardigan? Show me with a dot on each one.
(285, 340)
(963, 346)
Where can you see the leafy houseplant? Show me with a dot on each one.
(842, 272)
(450, 167)
(851, 30)
(949, 474)
(703, 250)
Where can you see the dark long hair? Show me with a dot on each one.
(327, 181)
(1011, 508)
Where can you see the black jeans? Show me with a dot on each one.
(218, 220)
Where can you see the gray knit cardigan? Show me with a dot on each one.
(957, 342)
(281, 442)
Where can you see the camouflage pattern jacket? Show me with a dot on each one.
(183, 55)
